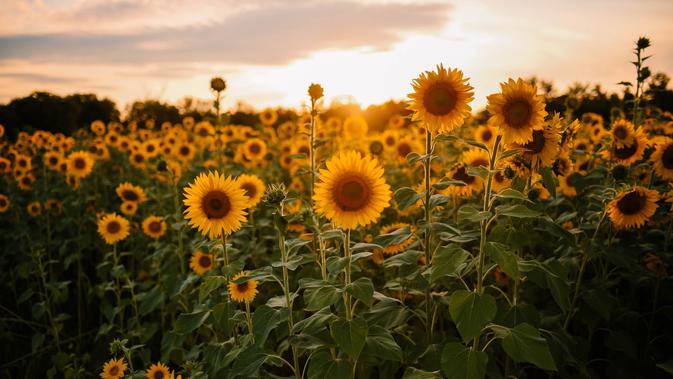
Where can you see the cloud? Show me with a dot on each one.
(39, 78)
(272, 35)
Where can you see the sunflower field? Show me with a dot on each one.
(518, 242)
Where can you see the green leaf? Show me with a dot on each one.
(322, 365)
(363, 290)
(188, 322)
(350, 335)
(548, 180)
(523, 343)
(476, 144)
(380, 343)
(396, 237)
(511, 193)
(516, 210)
(480, 171)
(413, 157)
(448, 261)
(460, 362)
(314, 322)
(264, 320)
(318, 298)
(248, 362)
(471, 213)
(471, 312)
(508, 261)
(406, 197)
(444, 184)
(210, 284)
(150, 300)
(414, 373)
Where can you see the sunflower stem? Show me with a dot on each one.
(248, 320)
(347, 275)
(479, 289)
(428, 218)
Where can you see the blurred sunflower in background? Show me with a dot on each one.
(201, 262)
(113, 228)
(34, 208)
(254, 149)
(352, 190)
(517, 110)
(253, 187)
(633, 207)
(113, 369)
(154, 226)
(268, 117)
(129, 208)
(396, 247)
(215, 204)
(242, 290)
(80, 164)
(662, 159)
(542, 149)
(131, 193)
(627, 154)
(4, 203)
(485, 134)
(622, 133)
(441, 99)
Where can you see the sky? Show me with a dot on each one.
(269, 51)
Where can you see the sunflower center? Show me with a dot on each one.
(216, 204)
(537, 144)
(114, 370)
(250, 189)
(304, 150)
(626, 152)
(632, 203)
(352, 193)
(113, 227)
(184, 150)
(138, 158)
(667, 157)
(479, 162)
(376, 147)
(440, 99)
(203, 132)
(158, 375)
(461, 174)
(150, 148)
(130, 195)
(155, 226)
(3, 203)
(518, 113)
(390, 141)
(204, 261)
(53, 160)
(242, 287)
(80, 163)
(403, 149)
(620, 132)
(486, 135)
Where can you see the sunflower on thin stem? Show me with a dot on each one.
(114, 369)
(517, 111)
(244, 290)
(632, 208)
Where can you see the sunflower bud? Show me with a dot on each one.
(643, 43)
(315, 91)
(218, 84)
(275, 194)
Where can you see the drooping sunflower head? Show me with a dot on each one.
(517, 110)
(158, 371)
(154, 227)
(352, 191)
(113, 228)
(201, 262)
(131, 193)
(113, 369)
(622, 133)
(633, 207)
(543, 148)
(397, 247)
(253, 187)
(80, 164)
(662, 159)
(242, 289)
(441, 99)
(215, 204)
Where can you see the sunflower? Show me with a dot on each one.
(630, 153)
(398, 247)
(204, 129)
(485, 134)
(389, 138)
(459, 173)
(51, 159)
(129, 208)
(375, 146)
(568, 183)
(131, 193)
(138, 159)
(662, 159)
(254, 149)
(98, 127)
(154, 226)
(5, 165)
(476, 157)
(158, 371)
(4, 203)
(253, 187)
(352, 190)
(268, 117)
(240, 290)
(25, 182)
(201, 262)
(543, 148)
(441, 99)
(34, 209)
(80, 164)
(354, 127)
(633, 207)
(215, 204)
(150, 148)
(113, 228)
(114, 369)
(517, 110)
(396, 121)
(622, 133)
(406, 144)
(185, 151)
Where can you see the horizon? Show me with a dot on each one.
(128, 51)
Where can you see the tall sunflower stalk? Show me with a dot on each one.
(315, 92)
(429, 149)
